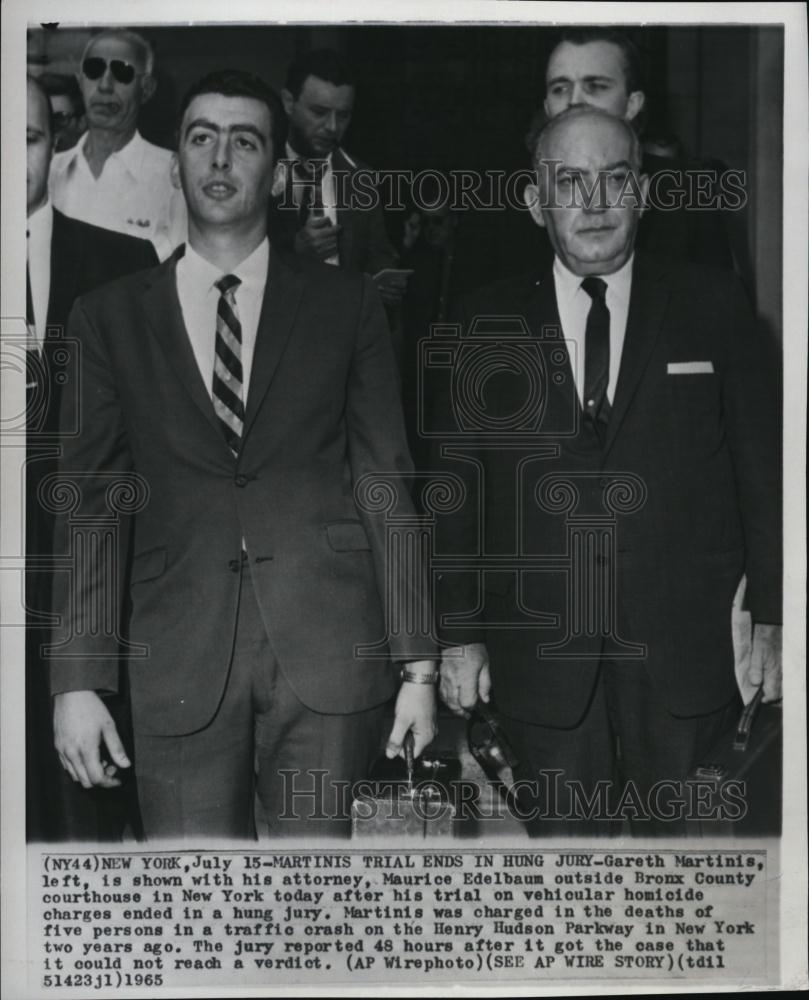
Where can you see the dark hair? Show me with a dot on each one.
(632, 67)
(630, 56)
(325, 64)
(36, 83)
(237, 83)
(62, 85)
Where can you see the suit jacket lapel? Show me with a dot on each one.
(162, 308)
(543, 314)
(647, 308)
(282, 296)
(67, 251)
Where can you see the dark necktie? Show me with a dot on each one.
(29, 299)
(228, 392)
(30, 315)
(309, 180)
(597, 354)
(34, 381)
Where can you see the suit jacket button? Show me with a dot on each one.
(241, 480)
(235, 565)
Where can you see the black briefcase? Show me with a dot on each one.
(743, 772)
(413, 802)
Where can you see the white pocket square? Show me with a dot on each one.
(690, 368)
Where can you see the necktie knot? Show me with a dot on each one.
(310, 171)
(227, 284)
(595, 287)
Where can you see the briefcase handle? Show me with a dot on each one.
(745, 727)
(486, 739)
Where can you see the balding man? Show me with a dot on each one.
(601, 67)
(648, 484)
(113, 177)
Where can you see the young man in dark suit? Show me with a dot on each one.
(626, 475)
(245, 396)
(66, 258)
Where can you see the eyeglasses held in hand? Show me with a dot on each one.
(94, 68)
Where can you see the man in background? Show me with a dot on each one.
(601, 67)
(317, 197)
(67, 109)
(113, 177)
(65, 259)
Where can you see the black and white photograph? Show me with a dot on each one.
(403, 505)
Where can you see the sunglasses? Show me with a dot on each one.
(94, 68)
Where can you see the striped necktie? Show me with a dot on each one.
(228, 392)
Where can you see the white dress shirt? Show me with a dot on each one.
(327, 193)
(40, 230)
(199, 299)
(574, 306)
(133, 194)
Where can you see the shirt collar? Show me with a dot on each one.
(39, 225)
(252, 271)
(292, 155)
(130, 155)
(619, 283)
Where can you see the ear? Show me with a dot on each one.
(634, 104)
(148, 86)
(279, 180)
(287, 100)
(174, 172)
(644, 190)
(532, 202)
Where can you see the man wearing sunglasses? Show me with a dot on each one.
(113, 177)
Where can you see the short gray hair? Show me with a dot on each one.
(137, 41)
(539, 138)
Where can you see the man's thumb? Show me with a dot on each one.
(484, 683)
(114, 745)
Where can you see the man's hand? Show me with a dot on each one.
(765, 662)
(391, 286)
(81, 724)
(415, 710)
(318, 238)
(465, 677)
(412, 230)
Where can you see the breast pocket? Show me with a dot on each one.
(347, 536)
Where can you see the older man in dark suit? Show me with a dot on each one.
(65, 259)
(626, 474)
(245, 395)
